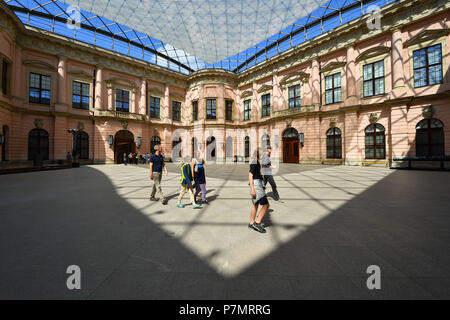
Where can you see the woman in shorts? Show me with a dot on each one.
(258, 194)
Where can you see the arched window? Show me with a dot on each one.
(265, 141)
(211, 149)
(153, 142)
(176, 146)
(375, 142)
(229, 147)
(82, 146)
(334, 144)
(38, 144)
(430, 138)
(290, 133)
(247, 146)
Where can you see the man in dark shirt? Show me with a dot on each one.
(259, 197)
(156, 167)
(267, 173)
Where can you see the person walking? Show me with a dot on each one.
(258, 194)
(157, 165)
(186, 184)
(200, 180)
(130, 158)
(267, 173)
(125, 159)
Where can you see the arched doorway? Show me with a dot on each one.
(176, 149)
(211, 149)
(5, 135)
(123, 143)
(82, 146)
(38, 146)
(154, 142)
(291, 146)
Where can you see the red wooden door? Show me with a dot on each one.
(291, 150)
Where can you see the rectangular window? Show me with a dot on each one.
(4, 77)
(247, 110)
(265, 105)
(228, 110)
(176, 111)
(155, 104)
(373, 79)
(333, 90)
(80, 95)
(40, 87)
(210, 109)
(294, 96)
(122, 100)
(195, 110)
(428, 66)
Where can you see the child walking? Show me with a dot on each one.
(186, 184)
(200, 181)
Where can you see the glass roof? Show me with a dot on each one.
(228, 36)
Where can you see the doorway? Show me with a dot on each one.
(291, 146)
(123, 143)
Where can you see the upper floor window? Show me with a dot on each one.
(333, 90)
(428, 66)
(228, 110)
(211, 109)
(294, 96)
(247, 110)
(176, 111)
(122, 100)
(265, 105)
(373, 78)
(40, 88)
(80, 95)
(195, 110)
(155, 104)
(4, 79)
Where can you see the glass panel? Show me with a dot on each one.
(338, 151)
(380, 139)
(422, 124)
(46, 82)
(369, 153)
(380, 153)
(435, 123)
(437, 150)
(379, 69)
(328, 82)
(337, 80)
(379, 86)
(329, 97)
(368, 72)
(420, 78)
(337, 95)
(338, 141)
(369, 140)
(437, 136)
(330, 151)
(85, 89)
(420, 59)
(330, 141)
(368, 88)
(379, 127)
(291, 92)
(435, 74)
(434, 55)
(76, 88)
(370, 129)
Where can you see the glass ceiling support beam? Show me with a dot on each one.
(328, 16)
(103, 32)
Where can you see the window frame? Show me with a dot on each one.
(247, 111)
(228, 110)
(428, 66)
(266, 107)
(429, 143)
(334, 146)
(40, 100)
(195, 110)
(333, 88)
(208, 116)
(295, 97)
(176, 111)
(374, 79)
(374, 146)
(117, 100)
(5, 76)
(82, 83)
(150, 107)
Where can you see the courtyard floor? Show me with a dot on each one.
(332, 224)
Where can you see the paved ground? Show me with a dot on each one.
(334, 223)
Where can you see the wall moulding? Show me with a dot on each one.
(373, 52)
(426, 35)
(40, 65)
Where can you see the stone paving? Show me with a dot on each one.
(332, 223)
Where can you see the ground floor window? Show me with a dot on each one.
(247, 147)
(334, 144)
(430, 138)
(375, 142)
(38, 145)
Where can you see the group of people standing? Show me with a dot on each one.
(135, 158)
(193, 177)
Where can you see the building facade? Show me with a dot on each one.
(354, 95)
